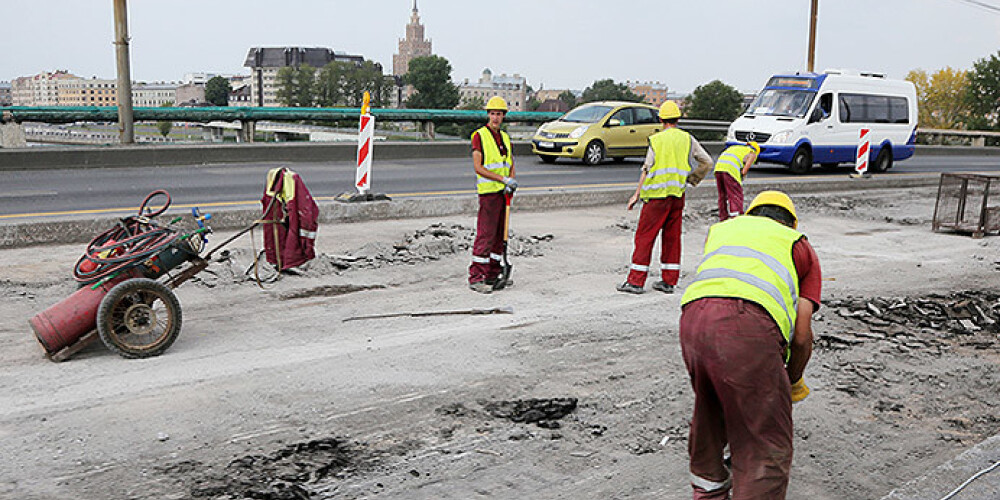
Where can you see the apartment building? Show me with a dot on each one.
(264, 63)
(514, 89)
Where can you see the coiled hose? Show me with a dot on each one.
(134, 240)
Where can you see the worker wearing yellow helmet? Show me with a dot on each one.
(493, 161)
(730, 170)
(674, 160)
(746, 337)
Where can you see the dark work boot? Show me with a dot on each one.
(663, 287)
(630, 288)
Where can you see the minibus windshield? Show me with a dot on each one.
(782, 102)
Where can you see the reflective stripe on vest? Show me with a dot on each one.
(493, 161)
(750, 258)
(731, 161)
(671, 150)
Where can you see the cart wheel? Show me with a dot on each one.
(139, 318)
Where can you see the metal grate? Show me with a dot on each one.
(745, 135)
(963, 204)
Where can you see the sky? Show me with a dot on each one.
(555, 44)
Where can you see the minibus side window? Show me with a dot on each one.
(847, 108)
(899, 110)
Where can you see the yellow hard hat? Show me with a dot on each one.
(669, 110)
(778, 199)
(755, 147)
(496, 103)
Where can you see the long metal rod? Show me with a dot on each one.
(126, 127)
(810, 66)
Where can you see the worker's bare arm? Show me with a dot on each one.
(802, 341)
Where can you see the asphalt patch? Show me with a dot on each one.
(544, 413)
(326, 291)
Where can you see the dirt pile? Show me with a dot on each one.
(284, 474)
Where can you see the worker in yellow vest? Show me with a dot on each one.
(730, 170)
(674, 160)
(493, 161)
(746, 337)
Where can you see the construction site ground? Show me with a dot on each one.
(580, 393)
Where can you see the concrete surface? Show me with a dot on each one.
(82, 230)
(944, 479)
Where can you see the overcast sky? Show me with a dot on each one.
(554, 43)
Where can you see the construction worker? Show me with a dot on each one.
(730, 170)
(673, 160)
(746, 336)
(493, 161)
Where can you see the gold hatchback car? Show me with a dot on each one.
(598, 130)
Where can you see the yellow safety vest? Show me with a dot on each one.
(672, 150)
(750, 258)
(493, 161)
(731, 161)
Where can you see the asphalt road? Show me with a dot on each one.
(62, 194)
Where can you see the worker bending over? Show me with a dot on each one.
(674, 159)
(746, 336)
(493, 161)
(730, 170)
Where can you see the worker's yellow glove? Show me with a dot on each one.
(799, 390)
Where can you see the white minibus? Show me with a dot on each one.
(803, 119)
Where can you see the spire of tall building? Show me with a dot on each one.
(414, 45)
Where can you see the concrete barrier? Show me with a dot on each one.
(167, 155)
(83, 230)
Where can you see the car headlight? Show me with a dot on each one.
(579, 131)
(781, 137)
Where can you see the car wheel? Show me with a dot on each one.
(802, 161)
(594, 153)
(547, 159)
(884, 160)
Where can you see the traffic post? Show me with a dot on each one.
(863, 152)
(363, 174)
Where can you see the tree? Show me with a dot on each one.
(297, 86)
(217, 91)
(568, 98)
(941, 97)
(608, 90)
(431, 77)
(165, 126)
(714, 101)
(464, 130)
(983, 93)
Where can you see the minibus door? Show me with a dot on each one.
(822, 128)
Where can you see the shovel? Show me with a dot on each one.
(504, 277)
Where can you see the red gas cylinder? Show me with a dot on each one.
(65, 322)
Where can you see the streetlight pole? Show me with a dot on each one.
(126, 129)
(812, 36)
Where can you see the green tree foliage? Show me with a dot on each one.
(983, 94)
(714, 101)
(297, 86)
(568, 98)
(941, 97)
(607, 90)
(217, 91)
(165, 126)
(431, 77)
(344, 84)
(464, 130)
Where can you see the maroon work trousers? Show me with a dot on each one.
(488, 246)
(730, 196)
(734, 353)
(659, 216)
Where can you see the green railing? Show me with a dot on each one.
(70, 114)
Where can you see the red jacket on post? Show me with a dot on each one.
(297, 218)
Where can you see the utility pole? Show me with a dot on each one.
(126, 129)
(812, 36)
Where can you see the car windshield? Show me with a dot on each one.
(586, 114)
(781, 102)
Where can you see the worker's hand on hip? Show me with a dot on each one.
(632, 201)
(799, 390)
(510, 184)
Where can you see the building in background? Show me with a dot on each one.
(153, 95)
(6, 96)
(190, 94)
(514, 89)
(39, 90)
(654, 93)
(87, 92)
(264, 63)
(414, 45)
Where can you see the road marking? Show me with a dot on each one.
(27, 194)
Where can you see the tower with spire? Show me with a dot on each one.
(414, 45)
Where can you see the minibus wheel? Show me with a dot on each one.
(802, 161)
(884, 161)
